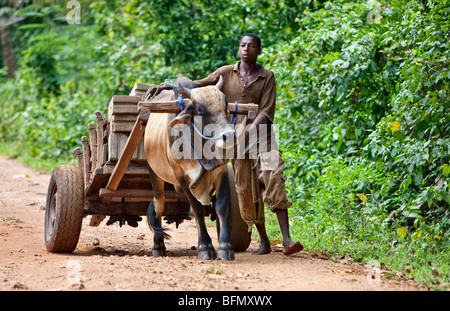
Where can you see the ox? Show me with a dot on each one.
(195, 180)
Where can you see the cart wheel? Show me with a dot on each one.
(64, 209)
(240, 237)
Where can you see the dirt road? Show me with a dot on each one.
(113, 258)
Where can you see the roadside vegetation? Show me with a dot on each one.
(363, 104)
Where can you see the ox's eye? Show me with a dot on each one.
(199, 110)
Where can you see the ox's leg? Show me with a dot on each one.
(205, 247)
(222, 187)
(154, 215)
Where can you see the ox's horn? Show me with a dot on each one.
(219, 84)
(183, 91)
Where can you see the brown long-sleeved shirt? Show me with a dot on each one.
(262, 92)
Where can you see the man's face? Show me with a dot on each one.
(249, 49)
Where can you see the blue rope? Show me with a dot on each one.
(193, 150)
(180, 102)
(235, 113)
(203, 136)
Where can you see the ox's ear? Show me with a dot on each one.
(184, 116)
(219, 84)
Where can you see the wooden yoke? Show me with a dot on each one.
(145, 108)
(173, 107)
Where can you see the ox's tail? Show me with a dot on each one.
(154, 224)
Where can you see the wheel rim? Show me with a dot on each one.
(51, 215)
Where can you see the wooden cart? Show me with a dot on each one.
(111, 177)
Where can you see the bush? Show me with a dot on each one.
(366, 117)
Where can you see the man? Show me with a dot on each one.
(258, 180)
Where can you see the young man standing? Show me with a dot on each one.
(259, 177)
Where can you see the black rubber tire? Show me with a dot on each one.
(240, 236)
(64, 209)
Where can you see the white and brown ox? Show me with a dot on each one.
(196, 180)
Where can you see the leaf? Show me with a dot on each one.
(446, 169)
(399, 135)
(423, 125)
(395, 125)
(337, 62)
(32, 26)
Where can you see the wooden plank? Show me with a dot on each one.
(133, 208)
(124, 118)
(127, 154)
(99, 180)
(125, 99)
(173, 107)
(100, 135)
(86, 160)
(242, 108)
(122, 127)
(93, 145)
(133, 169)
(123, 109)
(122, 104)
(135, 173)
(141, 156)
(139, 89)
(105, 153)
(139, 193)
(122, 113)
(117, 142)
(161, 106)
(79, 156)
(114, 146)
(122, 142)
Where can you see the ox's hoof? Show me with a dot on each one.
(208, 255)
(226, 254)
(207, 252)
(226, 251)
(159, 252)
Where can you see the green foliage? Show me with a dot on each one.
(363, 90)
(366, 103)
(167, 38)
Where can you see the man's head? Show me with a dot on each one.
(249, 47)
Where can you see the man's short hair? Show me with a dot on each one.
(258, 39)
